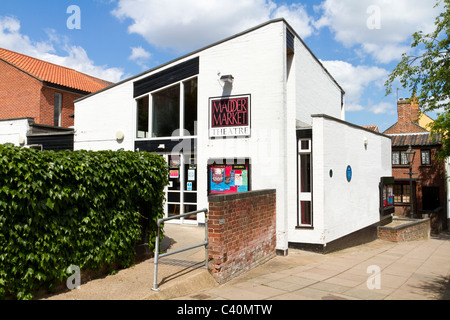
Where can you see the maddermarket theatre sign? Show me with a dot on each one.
(230, 116)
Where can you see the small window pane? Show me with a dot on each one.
(305, 207)
(406, 193)
(397, 193)
(405, 158)
(395, 157)
(305, 145)
(426, 157)
(305, 173)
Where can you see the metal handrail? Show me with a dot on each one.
(158, 256)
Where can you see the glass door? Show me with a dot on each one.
(181, 193)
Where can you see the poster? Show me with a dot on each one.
(228, 179)
(174, 174)
(191, 175)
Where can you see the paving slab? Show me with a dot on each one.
(180, 274)
(417, 270)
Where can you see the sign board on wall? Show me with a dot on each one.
(230, 116)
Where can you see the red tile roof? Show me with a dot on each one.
(372, 127)
(52, 73)
(415, 140)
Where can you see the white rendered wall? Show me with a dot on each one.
(257, 62)
(99, 117)
(341, 207)
(316, 92)
(11, 131)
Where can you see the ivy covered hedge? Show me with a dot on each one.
(81, 208)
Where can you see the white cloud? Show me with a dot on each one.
(186, 25)
(76, 57)
(356, 80)
(383, 108)
(140, 56)
(382, 28)
(297, 16)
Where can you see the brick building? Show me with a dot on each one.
(45, 92)
(429, 192)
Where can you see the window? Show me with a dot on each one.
(426, 157)
(142, 118)
(399, 158)
(168, 112)
(57, 110)
(304, 218)
(190, 106)
(401, 193)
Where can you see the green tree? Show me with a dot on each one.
(427, 73)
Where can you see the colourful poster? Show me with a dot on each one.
(228, 179)
(174, 174)
(244, 186)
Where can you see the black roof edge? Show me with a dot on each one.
(213, 45)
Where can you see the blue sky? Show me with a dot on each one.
(358, 41)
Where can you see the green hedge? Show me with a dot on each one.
(81, 208)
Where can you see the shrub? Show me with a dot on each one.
(59, 209)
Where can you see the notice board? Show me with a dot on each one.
(225, 177)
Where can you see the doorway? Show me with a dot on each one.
(304, 216)
(181, 193)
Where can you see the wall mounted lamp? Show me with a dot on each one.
(22, 140)
(227, 79)
(120, 135)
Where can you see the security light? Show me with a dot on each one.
(228, 78)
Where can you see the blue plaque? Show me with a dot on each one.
(349, 173)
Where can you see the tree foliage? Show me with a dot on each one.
(426, 74)
(81, 208)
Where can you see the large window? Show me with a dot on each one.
(168, 112)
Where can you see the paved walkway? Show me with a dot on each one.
(416, 270)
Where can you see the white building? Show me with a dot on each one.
(254, 111)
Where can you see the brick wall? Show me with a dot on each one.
(242, 232)
(19, 93)
(424, 176)
(402, 230)
(21, 96)
(47, 106)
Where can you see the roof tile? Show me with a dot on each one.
(52, 73)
